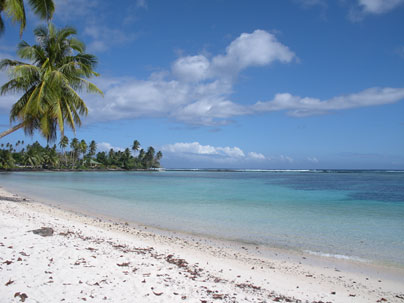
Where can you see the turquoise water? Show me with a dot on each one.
(356, 214)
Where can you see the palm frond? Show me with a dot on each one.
(26, 51)
(18, 107)
(43, 8)
(91, 87)
(16, 11)
(77, 45)
(7, 63)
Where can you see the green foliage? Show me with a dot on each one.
(15, 9)
(50, 85)
(81, 156)
(6, 159)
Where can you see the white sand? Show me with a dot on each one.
(96, 260)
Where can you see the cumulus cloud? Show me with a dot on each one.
(256, 156)
(257, 49)
(105, 146)
(195, 148)
(196, 90)
(233, 156)
(191, 68)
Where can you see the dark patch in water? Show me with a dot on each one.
(374, 186)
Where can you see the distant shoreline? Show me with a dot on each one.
(235, 170)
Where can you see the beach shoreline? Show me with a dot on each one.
(180, 267)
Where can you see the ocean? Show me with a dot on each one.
(346, 214)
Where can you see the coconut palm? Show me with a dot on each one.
(50, 85)
(83, 148)
(6, 159)
(75, 147)
(15, 9)
(159, 155)
(64, 142)
(135, 146)
(92, 148)
(33, 156)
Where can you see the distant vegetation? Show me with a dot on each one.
(76, 154)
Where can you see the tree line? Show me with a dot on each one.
(76, 154)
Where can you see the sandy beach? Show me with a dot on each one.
(76, 257)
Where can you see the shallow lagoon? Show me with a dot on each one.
(350, 214)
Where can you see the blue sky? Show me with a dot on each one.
(241, 84)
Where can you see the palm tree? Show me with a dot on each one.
(6, 159)
(16, 10)
(135, 146)
(159, 155)
(141, 155)
(49, 85)
(83, 148)
(33, 156)
(75, 146)
(50, 157)
(64, 142)
(93, 148)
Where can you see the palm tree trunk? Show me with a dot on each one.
(13, 129)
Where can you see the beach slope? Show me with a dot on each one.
(51, 255)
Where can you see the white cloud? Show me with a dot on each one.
(256, 156)
(299, 107)
(195, 148)
(256, 49)
(285, 158)
(379, 6)
(313, 159)
(105, 146)
(191, 68)
(195, 91)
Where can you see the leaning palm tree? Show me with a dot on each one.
(15, 9)
(50, 85)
